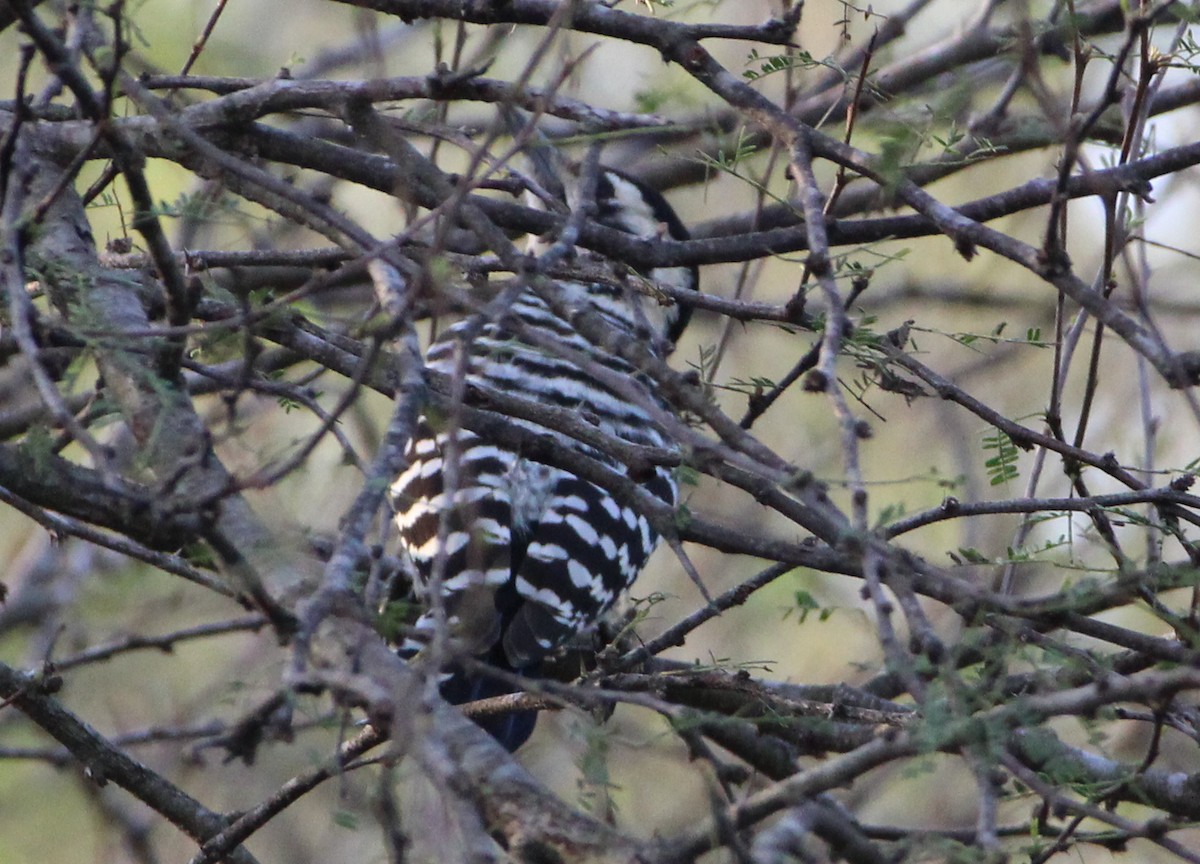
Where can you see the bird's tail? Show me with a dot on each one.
(510, 728)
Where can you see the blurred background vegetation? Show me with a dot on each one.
(987, 325)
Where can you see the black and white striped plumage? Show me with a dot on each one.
(534, 554)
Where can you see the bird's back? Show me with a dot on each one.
(527, 554)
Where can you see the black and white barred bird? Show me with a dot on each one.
(532, 554)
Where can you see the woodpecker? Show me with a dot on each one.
(530, 554)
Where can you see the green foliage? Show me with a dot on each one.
(1001, 468)
(806, 603)
(662, 98)
(756, 385)
(217, 344)
(288, 404)
(969, 555)
(948, 850)
(743, 148)
(995, 336)
(651, 100)
(686, 475)
(395, 617)
(199, 555)
(198, 207)
(1188, 50)
(890, 513)
(1027, 554)
(38, 447)
(769, 64)
(1012, 554)
(731, 162)
(595, 783)
(897, 151)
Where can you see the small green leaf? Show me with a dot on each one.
(972, 556)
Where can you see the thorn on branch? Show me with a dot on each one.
(794, 309)
(899, 336)
(1179, 484)
(1020, 441)
(1053, 262)
(50, 682)
(443, 78)
(799, 480)
(781, 30)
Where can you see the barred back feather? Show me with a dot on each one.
(532, 553)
